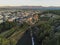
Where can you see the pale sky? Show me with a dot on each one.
(29, 2)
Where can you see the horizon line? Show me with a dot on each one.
(26, 5)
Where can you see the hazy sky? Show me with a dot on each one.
(29, 2)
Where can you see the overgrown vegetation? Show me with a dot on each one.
(6, 26)
(47, 32)
(12, 32)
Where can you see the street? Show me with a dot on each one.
(26, 39)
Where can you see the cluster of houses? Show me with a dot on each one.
(20, 16)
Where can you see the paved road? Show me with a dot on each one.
(26, 39)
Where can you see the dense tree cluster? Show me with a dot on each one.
(6, 26)
(52, 11)
(46, 32)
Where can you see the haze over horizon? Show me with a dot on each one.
(30, 3)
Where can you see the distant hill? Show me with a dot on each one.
(31, 7)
